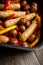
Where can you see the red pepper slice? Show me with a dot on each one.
(6, 5)
(11, 17)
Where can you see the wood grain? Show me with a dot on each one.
(19, 59)
(39, 55)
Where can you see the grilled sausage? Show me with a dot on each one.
(4, 14)
(11, 6)
(25, 35)
(11, 22)
(16, 20)
(3, 39)
(29, 16)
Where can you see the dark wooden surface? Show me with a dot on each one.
(22, 58)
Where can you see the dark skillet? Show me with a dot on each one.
(40, 44)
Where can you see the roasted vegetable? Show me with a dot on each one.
(32, 38)
(20, 23)
(38, 18)
(14, 41)
(7, 29)
(25, 44)
(36, 41)
(6, 5)
(15, 1)
(1, 27)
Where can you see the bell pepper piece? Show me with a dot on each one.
(7, 29)
(6, 5)
(1, 27)
(11, 16)
(9, 11)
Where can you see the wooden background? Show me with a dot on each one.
(22, 58)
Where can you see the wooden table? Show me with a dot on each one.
(27, 58)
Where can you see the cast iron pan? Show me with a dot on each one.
(40, 4)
